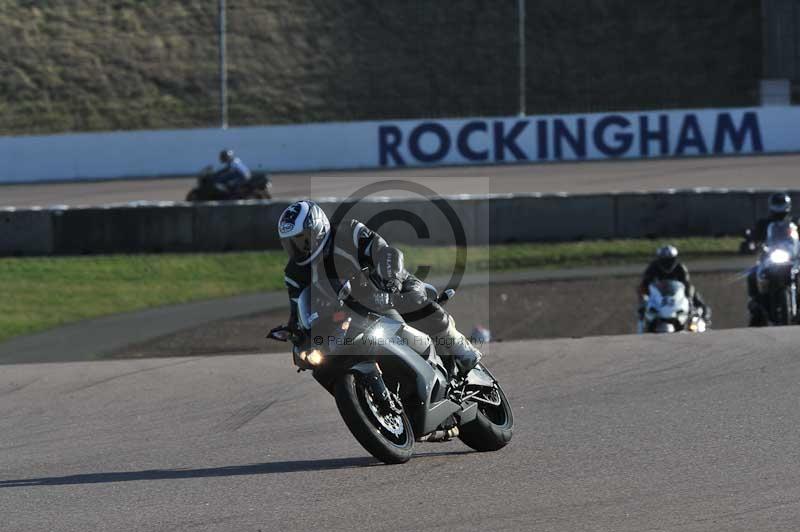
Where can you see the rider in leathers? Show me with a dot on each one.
(780, 210)
(233, 174)
(667, 267)
(320, 254)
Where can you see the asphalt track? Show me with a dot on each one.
(762, 172)
(686, 432)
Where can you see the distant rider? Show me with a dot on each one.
(780, 210)
(667, 267)
(233, 174)
(319, 253)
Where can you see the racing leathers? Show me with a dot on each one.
(759, 234)
(679, 273)
(757, 304)
(380, 283)
(233, 175)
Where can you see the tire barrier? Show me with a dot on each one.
(496, 219)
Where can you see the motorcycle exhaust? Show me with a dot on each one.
(440, 435)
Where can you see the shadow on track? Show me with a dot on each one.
(293, 466)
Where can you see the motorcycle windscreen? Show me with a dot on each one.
(314, 301)
(663, 289)
(783, 235)
(305, 315)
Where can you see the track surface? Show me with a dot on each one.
(780, 171)
(684, 432)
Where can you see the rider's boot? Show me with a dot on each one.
(640, 314)
(455, 344)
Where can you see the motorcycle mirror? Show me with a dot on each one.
(280, 334)
(446, 296)
(345, 291)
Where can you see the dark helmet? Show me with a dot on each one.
(780, 204)
(667, 258)
(226, 156)
(304, 230)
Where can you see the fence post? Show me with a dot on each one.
(521, 29)
(223, 68)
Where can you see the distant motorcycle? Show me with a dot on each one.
(748, 246)
(669, 310)
(777, 273)
(346, 349)
(259, 186)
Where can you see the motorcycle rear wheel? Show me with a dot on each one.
(493, 427)
(365, 425)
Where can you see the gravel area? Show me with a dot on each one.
(591, 307)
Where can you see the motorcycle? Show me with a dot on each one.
(748, 246)
(669, 310)
(346, 348)
(259, 186)
(777, 273)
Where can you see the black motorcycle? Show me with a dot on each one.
(345, 349)
(259, 186)
(777, 274)
(748, 245)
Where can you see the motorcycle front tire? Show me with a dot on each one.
(782, 306)
(350, 400)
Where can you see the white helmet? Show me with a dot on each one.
(304, 230)
(667, 258)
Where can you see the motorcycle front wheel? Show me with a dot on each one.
(493, 427)
(387, 437)
(782, 307)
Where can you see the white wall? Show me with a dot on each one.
(404, 143)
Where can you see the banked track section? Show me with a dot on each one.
(617, 433)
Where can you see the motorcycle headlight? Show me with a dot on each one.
(779, 256)
(377, 333)
(313, 357)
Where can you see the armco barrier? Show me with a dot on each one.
(251, 225)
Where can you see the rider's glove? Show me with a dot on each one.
(393, 286)
(381, 300)
(390, 269)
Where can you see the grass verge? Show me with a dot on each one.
(40, 293)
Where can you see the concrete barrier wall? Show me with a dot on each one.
(405, 143)
(477, 220)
